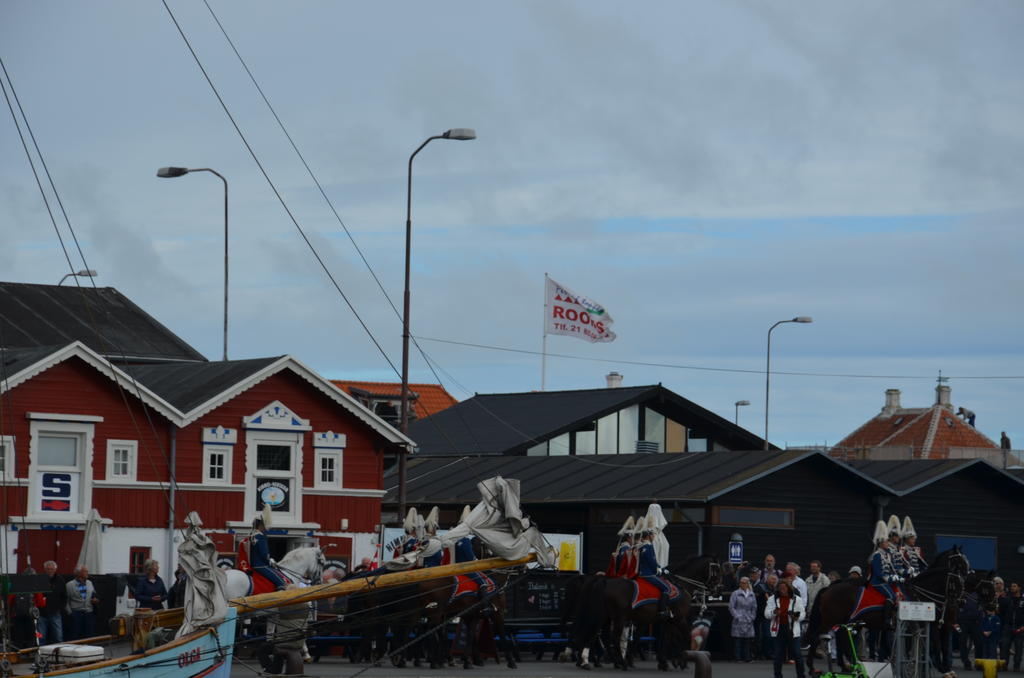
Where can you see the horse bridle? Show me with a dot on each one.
(952, 595)
(701, 589)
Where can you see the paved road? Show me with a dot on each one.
(335, 666)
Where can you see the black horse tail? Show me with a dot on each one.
(814, 621)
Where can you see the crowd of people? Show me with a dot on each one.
(769, 605)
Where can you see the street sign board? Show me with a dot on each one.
(912, 610)
(735, 552)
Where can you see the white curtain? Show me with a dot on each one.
(205, 599)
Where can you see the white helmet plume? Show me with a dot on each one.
(409, 525)
(881, 533)
(627, 527)
(908, 528)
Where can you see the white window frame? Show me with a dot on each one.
(318, 482)
(9, 470)
(228, 452)
(38, 427)
(133, 460)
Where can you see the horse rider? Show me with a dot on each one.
(409, 541)
(883, 572)
(259, 553)
(464, 554)
(895, 548)
(431, 553)
(621, 565)
(647, 568)
(911, 551)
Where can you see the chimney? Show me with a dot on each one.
(942, 397)
(614, 380)
(892, 401)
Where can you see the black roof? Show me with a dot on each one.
(695, 476)
(188, 385)
(509, 423)
(15, 360)
(906, 475)
(103, 319)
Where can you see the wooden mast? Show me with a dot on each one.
(173, 616)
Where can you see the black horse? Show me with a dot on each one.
(834, 604)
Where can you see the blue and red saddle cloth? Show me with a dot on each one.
(870, 599)
(464, 586)
(646, 593)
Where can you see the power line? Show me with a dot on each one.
(701, 367)
(277, 193)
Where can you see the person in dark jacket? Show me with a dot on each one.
(51, 623)
(150, 591)
(990, 632)
(1013, 627)
(969, 626)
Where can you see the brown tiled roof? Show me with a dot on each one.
(427, 399)
(929, 432)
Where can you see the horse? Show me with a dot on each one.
(305, 564)
(581, 620)
(835, 604)
(700, 574)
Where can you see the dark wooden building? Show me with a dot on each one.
(796, 505)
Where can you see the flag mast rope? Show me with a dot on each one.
(544, 340)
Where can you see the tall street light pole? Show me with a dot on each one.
(768, 369)
(457, 134)
(84, 273)
(172, 172)
(739, 404)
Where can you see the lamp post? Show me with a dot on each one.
(84, 273)
(456, 134)
(171, 173)
(768, 368)
(739, 404)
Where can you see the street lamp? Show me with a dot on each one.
(84, 273)
(171, 173)
(455, 134)
(768, 368)
(739, 404)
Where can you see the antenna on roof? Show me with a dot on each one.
(941, 380)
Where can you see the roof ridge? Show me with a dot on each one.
(571, 390)
(903, 428)
(929, 439)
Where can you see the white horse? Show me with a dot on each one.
(305, 564)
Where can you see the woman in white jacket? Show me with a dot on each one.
(784, 612)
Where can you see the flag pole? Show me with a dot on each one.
(544, 340)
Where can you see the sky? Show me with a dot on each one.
(702, 169)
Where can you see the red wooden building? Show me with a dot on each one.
(145, 440)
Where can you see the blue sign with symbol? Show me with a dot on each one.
(735, 552)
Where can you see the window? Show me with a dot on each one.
(60, 465)
(559, 445)
(58, 450)
(608, 434)
(121, 459)
(274, 458)
(629, 429)
(137, 557)
(6, 456)
(217, 464)
(654, 427)
(747, 516)
(538, 450)
(328, 470)
(980, 551)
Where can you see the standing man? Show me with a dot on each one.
(1004, 441)
(1013, 627)
(799, 585)
(815, 582)
(82, 602)
(764, 594)
(769, 567)
(51, 625)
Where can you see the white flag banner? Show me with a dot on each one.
(575, 315)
